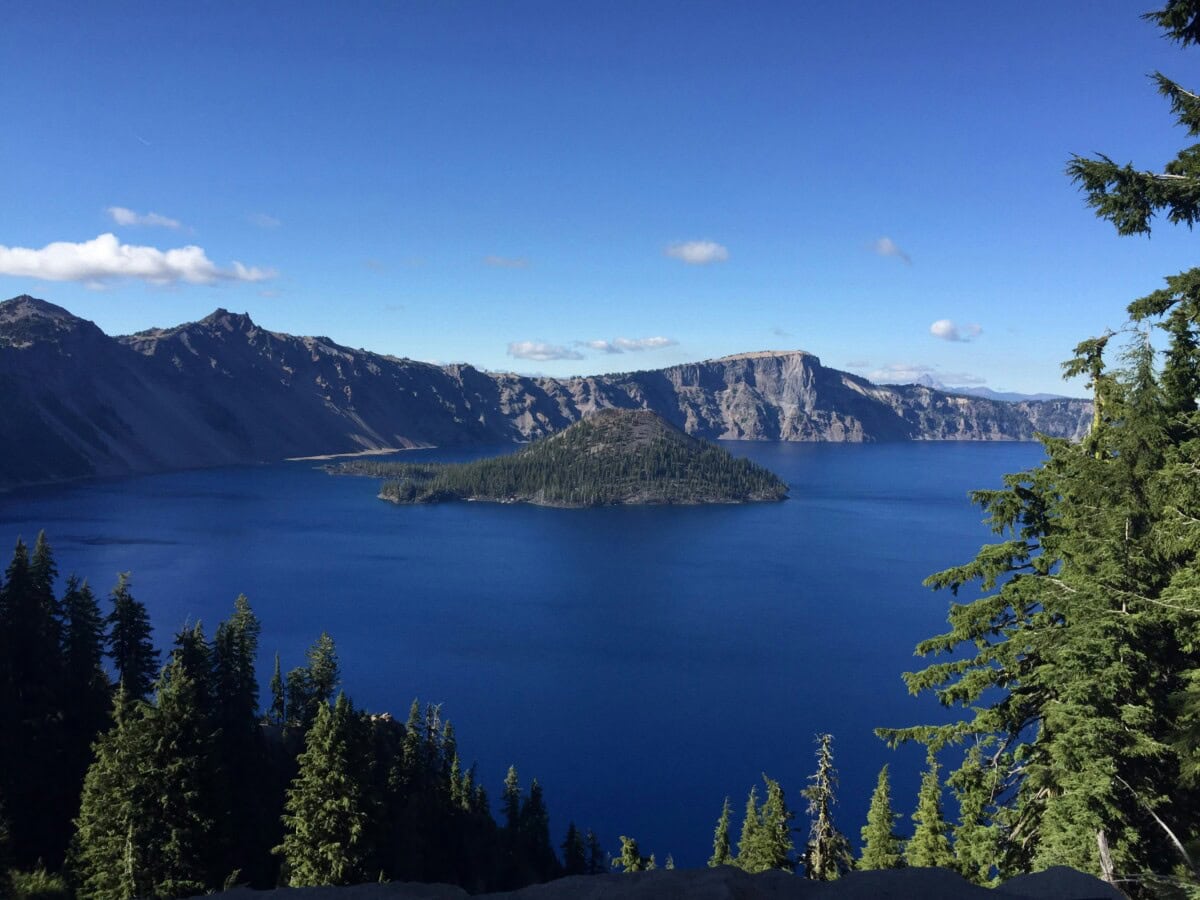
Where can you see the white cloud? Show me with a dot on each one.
(885, 246)
(262, 220)
(506, 262)
(919, 373)
(541, 351)
(105, 258)
(947, 330)
(632, 345)
(123, 216)
(697, 253)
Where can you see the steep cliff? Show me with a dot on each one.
(78, 403)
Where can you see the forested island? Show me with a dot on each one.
(614, 457)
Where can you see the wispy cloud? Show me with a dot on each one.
(947, 330)
(105, 259)
(506, 262)
(123, 216)
(697, 253)
(919, 373)
(885, 246)
(262, 220)
(541, 351)
(632, 345)
(779, 332)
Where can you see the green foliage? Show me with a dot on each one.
(766, 840)
(1077, 668)
(976, 836)
(752, 827)
(129, 641)
(827, 856)
(39, 885)
(327, 815)
(930, 843)
(722, 854)
(631, 859)
(614, 457)
(145, 820)
(882, 847)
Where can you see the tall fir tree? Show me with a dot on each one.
(277, 715)
(827, 855)
(129, 641)
(882, 848)
(597, 863)
(750, 839)
(145, 819)
(976, 836)
(930, 842)
(574, 852)
(327, 818)
(722, 854)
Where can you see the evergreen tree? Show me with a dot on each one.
(34, 773)
(129, 644)
(750, 843)
(976, 837)
(722, 854)
(327, 814)
(930, 845)
(324, 672)
(535, 835)
(145, 818)
(278, 712)
(882, 848)
(631, 859)
(574, 852)
(827, 855)
(116, 823)
(597, 863)
(512, 801)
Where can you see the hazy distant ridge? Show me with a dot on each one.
(79, 403)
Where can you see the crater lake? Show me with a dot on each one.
(641, 662)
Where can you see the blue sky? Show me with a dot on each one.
(623, 185)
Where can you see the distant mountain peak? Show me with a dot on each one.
(26, 320)
(229, 321)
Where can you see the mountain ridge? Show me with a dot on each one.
(225, 391)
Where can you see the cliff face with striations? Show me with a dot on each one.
(78, 403)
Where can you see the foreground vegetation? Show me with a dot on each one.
(613, 457)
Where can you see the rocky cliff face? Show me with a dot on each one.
(78, 403)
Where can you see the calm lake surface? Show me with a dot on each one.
(642, 663)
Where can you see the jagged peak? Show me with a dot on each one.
(230, 321)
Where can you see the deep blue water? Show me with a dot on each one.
(642, 663)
